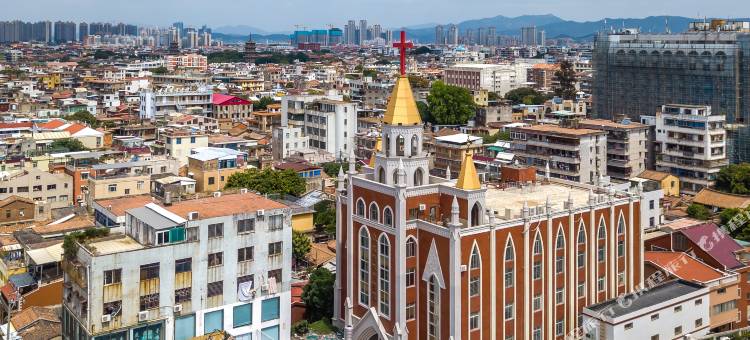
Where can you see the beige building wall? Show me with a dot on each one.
(118, 187)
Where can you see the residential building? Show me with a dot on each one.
(669, 184)
(211, 167)
(16, 210)
(415, 250)
(228, 270)
(626, 146)
(229, 109)
(670, 310)
(156, 104)
(636, 73)
(286, 140)
(692, 145)
(578, 155)
(450, 151)
(312, 174)
(543, 78)
(179, 143)
(497, 78)
(127, 178)
(188, 62)
(54, 189)
(329, 124)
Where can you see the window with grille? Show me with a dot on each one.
(215, 288)
(149, 271)
(215, 230)
(245, 254)
(215, 259)
(112, 276)
(246, 225)
(183, 265)
(149, 302)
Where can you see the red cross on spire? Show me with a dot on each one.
(402, 46)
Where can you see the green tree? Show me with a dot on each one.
(268, 181)
(525, 95)
(300, 246)
(493, 96)
(83, 116)
(500, 135)
(567, 78)
(262, 103)
(332, 168)
(318, 295)
(160, 70)
(70, 144)
(734, 178)
(421, 50)
(324, 217)
(370, 73)
(103, 54)
(424, 112)
(226, 56)
(698, 211)
(450, 104)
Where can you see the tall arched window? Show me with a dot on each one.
(395, 177)
(414, 145)
(581, 251)
(560, 241)
(474, 258)
(601, 236)
(388, 217)
(381, 175)
(418, 175)
(433, 309)
(374, 212)
(560, 254)
(400, 146)
(476, 214)
(384, 284)
(602, 233)
(411, 247)
(387, 145)
(361, 207)
(537, 244)
(581, 235)
(364, 266)
(509, 252)
(621, 226)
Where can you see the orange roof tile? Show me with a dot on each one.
(31, 315)
(683, 266)
(73, 128)
(118, 206)
(52, 124)
(227, 204)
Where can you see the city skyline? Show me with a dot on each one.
(389, 13)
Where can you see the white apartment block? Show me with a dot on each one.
(498, 78)
(626, 146)
(287, 139)
(328, 123)
(183, 270)
(578, 155)
(671, 310)
(691, 145)
(156, 104)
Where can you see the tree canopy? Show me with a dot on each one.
(83, 117)
(281, 58)
(370, 73)
(226, 56)
(698, 211)
(318, 295)
(332, 168)
(525, 95)
(324, 217)
(70, 144)
(262, 103)
(103, 54)
(566, 76)
(734, 179)
(159, 70)
(449, 105)
(300, 246)
(500, 135)
(421, 50)
(268, 181)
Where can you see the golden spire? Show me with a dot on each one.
(378, 146)
(468, 178)
(402, 109)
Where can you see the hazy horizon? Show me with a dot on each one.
(389, 13)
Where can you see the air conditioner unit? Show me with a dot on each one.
(217, 193)
(177, 308)
(243, 191)
(261, 212)
(422, 207)
(106, 318)
(142, 316)
(193, 215)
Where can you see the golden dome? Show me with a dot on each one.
(402, 109)
(468, 178)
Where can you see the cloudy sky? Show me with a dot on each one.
(282, 15)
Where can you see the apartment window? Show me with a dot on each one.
(183, 265)
(275, 274)
(215, 230)
(179, 140)
(411, 277)
(537, 270)
(600, 254)
(411, 247)
(37, 188)
(84, 176)
(411, 311)
(269, 309)
(698, 302)
(242, 315)
(474, 286)
(628, 326)
(508, 311)
(211, 180)
(678, 330)
(215, 288)
(127, 191)
(51, 186)
(655, 337)
(149, 302)
(139, 185)
(559, 295)
(654, 317)
(678, 309)
(162, 237)
(537, 333)
(183, 295)
(698, 322)
(274, 248)
(246, 226)
(275, 222)
(600, 284)
(559, 329)
(724, 307)
(112, 276)
(651, 204)
(537, 302)
(245, 254)
(149, 271)
(474, 321)
(721, 290)
(192, 140)
(215, 259)
(110, 308)
(112, 188)
(247, 278)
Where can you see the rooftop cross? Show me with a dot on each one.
(402, 46)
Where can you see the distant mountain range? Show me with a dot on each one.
(557, 27)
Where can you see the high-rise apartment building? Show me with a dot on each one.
(65, 31)
(350, 31)
(452, 35)
(83, 31)
(362, 32)
(439, 35)
(529, 36)
(636, 73)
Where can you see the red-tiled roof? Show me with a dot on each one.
(73, 128)
(717, 243)
(683, 266)
(16, 125)
(223, 99)
(52, 124)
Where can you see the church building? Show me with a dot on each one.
(425, 257)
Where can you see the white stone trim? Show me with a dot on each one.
(432, 266)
